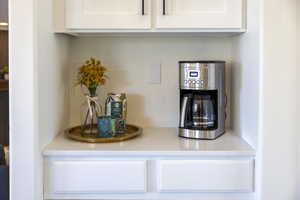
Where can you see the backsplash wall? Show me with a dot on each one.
(129, 61)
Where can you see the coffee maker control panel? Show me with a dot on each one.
(196, 76)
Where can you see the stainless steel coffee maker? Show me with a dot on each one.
(202, 99)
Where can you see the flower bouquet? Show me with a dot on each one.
(91, 75)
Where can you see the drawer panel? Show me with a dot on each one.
(71, 177)
(205, 175)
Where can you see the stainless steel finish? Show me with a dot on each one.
(198, 134)
(210, 76)
(182, 114)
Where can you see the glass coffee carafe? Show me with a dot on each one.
(203, 111)
(199, 111)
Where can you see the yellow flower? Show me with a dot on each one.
(92, 74)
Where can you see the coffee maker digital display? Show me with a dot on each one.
(202, 99)
(193, 74)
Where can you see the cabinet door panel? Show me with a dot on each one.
(114, 7)
(205, 14)
(92, 177)
(107, 14)
(205, 176)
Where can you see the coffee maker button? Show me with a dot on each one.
(198, 82)
(194, 82)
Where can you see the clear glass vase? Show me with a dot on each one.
(90, 111)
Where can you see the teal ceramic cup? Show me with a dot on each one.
(106, 127)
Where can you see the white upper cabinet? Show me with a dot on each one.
(200, 14)
(107, 14)
(81, 16)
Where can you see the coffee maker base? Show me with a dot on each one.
(199, 134)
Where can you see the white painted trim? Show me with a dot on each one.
(276, 160)
(259, 159)
(156, 196)
(24, 150)
(120, 31)
(195, 154)
(152, 34)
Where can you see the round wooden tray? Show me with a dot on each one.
(131, 131)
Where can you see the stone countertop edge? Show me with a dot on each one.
(153, 142)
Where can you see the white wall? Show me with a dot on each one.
(52, 68)
(278, 130)
(129, 59)
(23, 98)
(38, 94)
(246, 67)
(53, 97)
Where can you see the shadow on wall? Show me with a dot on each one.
(67, 95)
(228, 93)
(136, 111)
(236, 86)
(118, 78)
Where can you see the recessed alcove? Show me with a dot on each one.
(129, 60)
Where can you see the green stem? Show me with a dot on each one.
(93, 91)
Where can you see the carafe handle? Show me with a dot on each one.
(183, 111)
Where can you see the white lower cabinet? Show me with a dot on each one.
(86, 177)
(153, 178)
(205, 176)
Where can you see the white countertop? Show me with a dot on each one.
(153, 142)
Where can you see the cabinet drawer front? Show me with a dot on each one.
(108, 14)
(71, 177)
(205, 176)
(210, 14)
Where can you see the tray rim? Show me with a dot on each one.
(104, 140)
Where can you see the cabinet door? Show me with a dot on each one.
(94, 177)
(107, 14)
(205, 176)
(204, 14)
